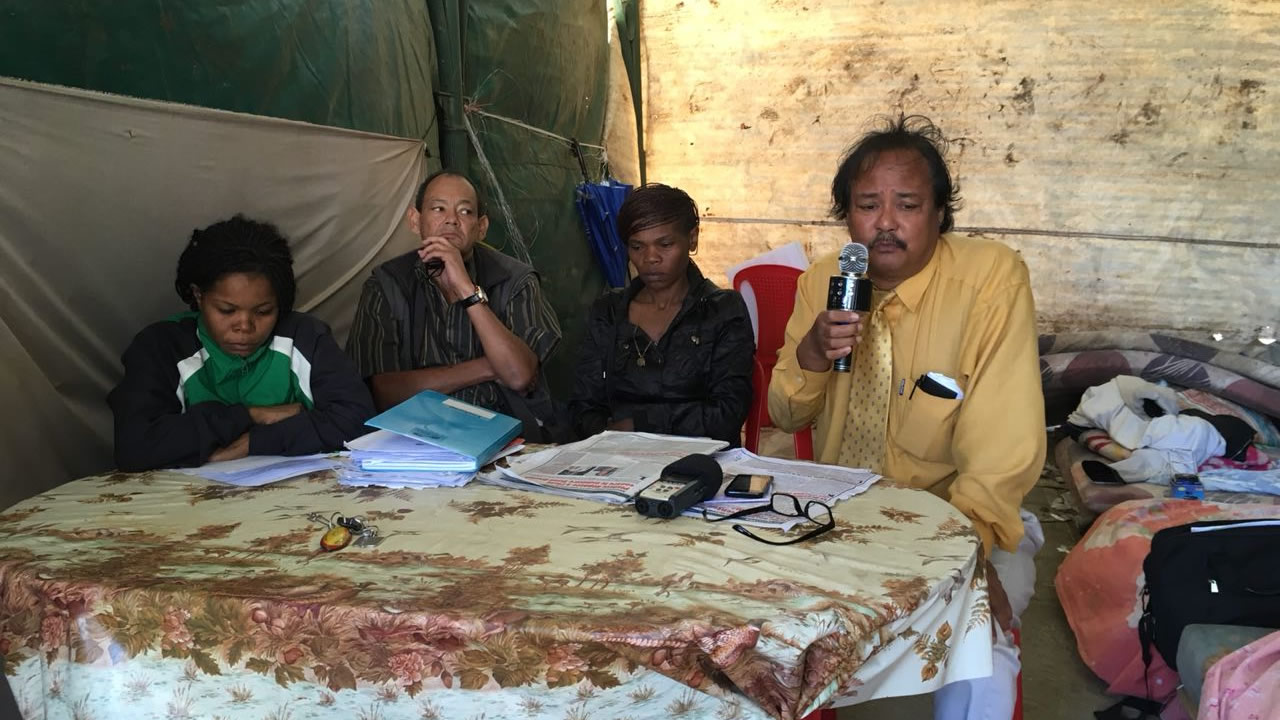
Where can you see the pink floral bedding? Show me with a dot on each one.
(1244, 685)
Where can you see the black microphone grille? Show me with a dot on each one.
(703, 468)
(853, 258)
(696, 464)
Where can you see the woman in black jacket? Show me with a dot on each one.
(242, 373)
(671, 353)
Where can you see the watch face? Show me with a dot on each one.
(475, 298)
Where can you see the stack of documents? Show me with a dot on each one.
(257, 470)
(429, 440)
(385, 450)
(386, 459)
(352, 475)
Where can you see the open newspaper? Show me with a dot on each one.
(828, 484)
(609, 467)
(614, 466)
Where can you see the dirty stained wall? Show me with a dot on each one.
(1130, 153)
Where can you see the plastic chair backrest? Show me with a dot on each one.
(774, 287)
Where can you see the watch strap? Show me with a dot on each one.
(473, 299)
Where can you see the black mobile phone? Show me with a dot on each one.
(749, 486)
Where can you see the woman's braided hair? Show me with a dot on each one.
(238, 245)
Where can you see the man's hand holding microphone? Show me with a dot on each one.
(838, 329)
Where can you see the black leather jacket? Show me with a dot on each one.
(695, 381)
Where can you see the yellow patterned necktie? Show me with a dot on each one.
(872, 379)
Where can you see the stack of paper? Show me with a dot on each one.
(257, 470)
(443, 434)
(385, 459)
(429, 440)
(385, 450)
(352, 475)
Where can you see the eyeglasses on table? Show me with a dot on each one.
(788, 505)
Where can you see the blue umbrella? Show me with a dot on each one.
(598, 205)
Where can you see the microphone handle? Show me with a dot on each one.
(848, 292)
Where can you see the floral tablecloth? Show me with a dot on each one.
(161, 595)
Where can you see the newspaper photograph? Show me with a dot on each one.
(611, 467)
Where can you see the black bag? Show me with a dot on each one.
(1223, 572)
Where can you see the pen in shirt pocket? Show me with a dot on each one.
(937, 385)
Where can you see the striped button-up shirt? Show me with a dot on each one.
(374, 343)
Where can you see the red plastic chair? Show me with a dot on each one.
(774, 287)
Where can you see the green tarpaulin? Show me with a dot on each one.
(362, 65)
(542, 63)
(384, 66)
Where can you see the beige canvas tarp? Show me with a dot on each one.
(98, 195)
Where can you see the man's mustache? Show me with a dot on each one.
(890, 238)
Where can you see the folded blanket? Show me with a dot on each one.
(1207, 402)
(1254, 459)
(1247, 481)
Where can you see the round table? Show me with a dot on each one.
(161, 595)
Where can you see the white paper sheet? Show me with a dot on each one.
(257, 470)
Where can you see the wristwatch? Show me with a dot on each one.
(479, 296)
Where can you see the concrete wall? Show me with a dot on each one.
(1130, 153)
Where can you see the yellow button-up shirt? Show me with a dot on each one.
(969, 315)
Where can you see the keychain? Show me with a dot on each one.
(342, 530)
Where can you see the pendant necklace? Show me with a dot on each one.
(635, 339)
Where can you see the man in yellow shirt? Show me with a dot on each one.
(944, 392)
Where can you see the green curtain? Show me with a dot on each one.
(541, 63)
(365, 65)
(384, 66)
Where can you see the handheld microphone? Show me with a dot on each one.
(850, 290)
(682, 484)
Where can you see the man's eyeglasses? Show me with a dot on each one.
(434, 268)
(788, 505)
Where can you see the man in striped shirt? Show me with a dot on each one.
(455, 315)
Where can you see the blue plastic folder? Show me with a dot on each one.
(441, 421)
